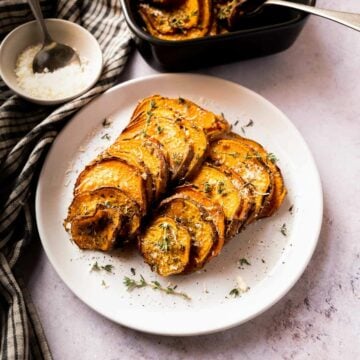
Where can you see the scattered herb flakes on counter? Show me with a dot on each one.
(155, 285)
(133, 271)
(284, 230)
(291, 208)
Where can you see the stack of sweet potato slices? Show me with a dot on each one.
(216, 183)
(165, 143)
(237, 184)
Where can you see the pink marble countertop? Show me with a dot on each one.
(317, 84)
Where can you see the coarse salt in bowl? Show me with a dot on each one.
(20, 46)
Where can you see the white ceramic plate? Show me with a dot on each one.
(277, 261)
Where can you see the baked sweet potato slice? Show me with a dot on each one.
(200, 145)
(97, 232)
(229, 191)
(214, 210)
(165, 246)
(169, 20)
(195, 134)
(131, 159)
(180, 108)
(192, 19)
(149, 153)
(171, 136)
(86, 204)
(198, 223)
(116, 173)
(280, 191)
(241, 159)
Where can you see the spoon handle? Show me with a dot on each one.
(36, 10)
(351, 20)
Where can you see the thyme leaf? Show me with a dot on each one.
(132, 284)
(271, 157)
(106, 123)
(244, 261)
(234, 292)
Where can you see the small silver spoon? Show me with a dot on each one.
(250, 7)
(52, 55)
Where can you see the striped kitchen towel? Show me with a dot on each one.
(26, 132)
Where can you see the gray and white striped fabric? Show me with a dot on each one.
(26, 132)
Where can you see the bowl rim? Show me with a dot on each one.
(20, 92)
(137, 30)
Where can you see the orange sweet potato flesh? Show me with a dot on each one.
(241, 159)
(191, 19)
(200, 226)
(113, 172)
(215, 211)
(165, 246)
(213, 125)
(86, 205)
(279, 193)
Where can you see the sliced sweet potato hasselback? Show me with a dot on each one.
(165, 143)
(238, 184)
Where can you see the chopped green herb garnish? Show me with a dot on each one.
(155, 285)
(107, 267)
(244, 261)
(106, 137)
(177, 158)
(95, 267)
(164, 243)
(220, 187)
(207, 187)
(153, 104)
(165, 226)
(283, 229)
(106, 123)
(181, 100)
(249, 124)
(271, 157)
(235, 292)
(159, 129)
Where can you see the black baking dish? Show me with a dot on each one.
(273, 30)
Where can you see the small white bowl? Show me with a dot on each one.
(62, 31)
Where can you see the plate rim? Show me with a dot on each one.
(280, 294)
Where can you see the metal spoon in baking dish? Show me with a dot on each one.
(250, 7)
(53, 55)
